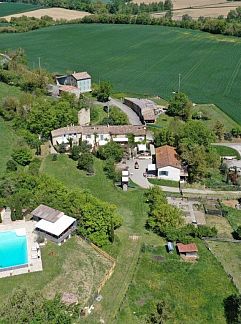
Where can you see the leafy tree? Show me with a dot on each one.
(86, 162)
(219, 130)
(111, 150)
(61, 148)
(102, 91)
(238, 232)
(9, 107)
(232, 307)
(22, 156)
(164, 136)
(75, 152)
(168, 5)
(163, 217)
(155, 196)
(180, 106)
(11, 166)
(110, 170)
(25, 306)
(116, 117)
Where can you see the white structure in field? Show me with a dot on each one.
(167, 164)
(98, 135)
(53, 224)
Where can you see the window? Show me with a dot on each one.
(163, 173)
(101, 137)
(88, 136)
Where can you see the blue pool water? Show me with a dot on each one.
(13, 249)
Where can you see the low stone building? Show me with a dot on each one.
(144, 108)
(99, 135)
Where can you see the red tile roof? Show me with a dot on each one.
(167, 156)
(184, 248)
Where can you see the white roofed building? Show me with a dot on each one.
(53, 224)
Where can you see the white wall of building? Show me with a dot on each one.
(102, 139)
(64, 139)
(84, 85)
(139, 139)
(169, 173)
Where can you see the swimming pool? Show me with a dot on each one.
(13, 249)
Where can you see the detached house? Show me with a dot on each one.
(53, 224)
(80, 80)
(168, 165)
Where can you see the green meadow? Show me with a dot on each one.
(10, 8)
(142, 59)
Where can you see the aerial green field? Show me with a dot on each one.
(10, 8)
(142, 59)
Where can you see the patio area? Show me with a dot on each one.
(34, 255)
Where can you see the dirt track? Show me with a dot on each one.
(55, 13)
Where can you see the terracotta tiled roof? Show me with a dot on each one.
(101, 129)
(81, 75)
(184, 248)
(167, 156)
(68, 88)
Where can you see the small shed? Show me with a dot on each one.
(188, 250)
(170, 247)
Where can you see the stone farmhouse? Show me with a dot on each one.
(98, 135)
(75, 83)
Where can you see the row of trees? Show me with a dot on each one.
(211, 25)
(96, 219)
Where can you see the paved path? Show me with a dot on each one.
(236, 146)
(132, 116)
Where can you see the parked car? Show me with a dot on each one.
(136, 165)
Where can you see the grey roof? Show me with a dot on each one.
(47, 213)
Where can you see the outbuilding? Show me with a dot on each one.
(53, 224)
(187, 251)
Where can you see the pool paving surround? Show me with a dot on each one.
(34, 264)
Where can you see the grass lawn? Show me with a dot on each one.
(73, 267)
(6, 90)
(162, 182)
(8, 142)
(227, 151)
(211, 111)
(234, 217)
(222, 225)
(229, 254)
(202, 286)
(10, 8)
(145, 60)
(194, 291)
(97, 115)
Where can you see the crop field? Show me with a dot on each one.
(55, 13)
(9, 8)
(142, 59)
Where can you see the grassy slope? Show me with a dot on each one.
(213, 113)
(74, 267)
(8, 141)
(195, 292)
(146, 59)
(150, 279)
(14, 8)
(7, 135)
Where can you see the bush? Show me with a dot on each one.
(86, 162)
(11, 166)
(112, 151)
(54, 157)
(34, 166)
(22, 156)
(110, 170)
